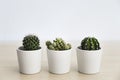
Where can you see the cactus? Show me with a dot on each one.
(58, 45)
(90, 43)
(31, 42)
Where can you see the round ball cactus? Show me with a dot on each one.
(58, 44)
(90, 43)
(31, 42)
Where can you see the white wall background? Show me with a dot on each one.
(69, 19)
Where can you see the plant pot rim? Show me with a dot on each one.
(27, 50)
(89, 50)
(60, 50)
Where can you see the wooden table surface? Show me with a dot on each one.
(110, 67)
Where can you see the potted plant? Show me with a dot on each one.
(29, 55)
(89, 56)
(59, 56)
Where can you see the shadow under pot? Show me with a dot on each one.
(29, 61)
(89, 61)
(59, 62)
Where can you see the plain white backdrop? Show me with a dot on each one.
(69, 19)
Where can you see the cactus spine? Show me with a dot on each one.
(58, 44)
(90, 43)
(31, 42)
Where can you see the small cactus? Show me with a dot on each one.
(90, 43)
(58, 45)
(31, 42)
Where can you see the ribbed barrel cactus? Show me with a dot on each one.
(58, 44)
(31, 42)
(90, 43)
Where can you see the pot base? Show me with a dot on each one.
(29, 73)
(59, 73)
(89, 73)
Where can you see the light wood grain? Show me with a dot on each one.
(110, 67)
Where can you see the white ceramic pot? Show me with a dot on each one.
(59, 61)
(89, 61)
(29, 61)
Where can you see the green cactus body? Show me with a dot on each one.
(90, 43)
(58, 44)
(31, 42)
